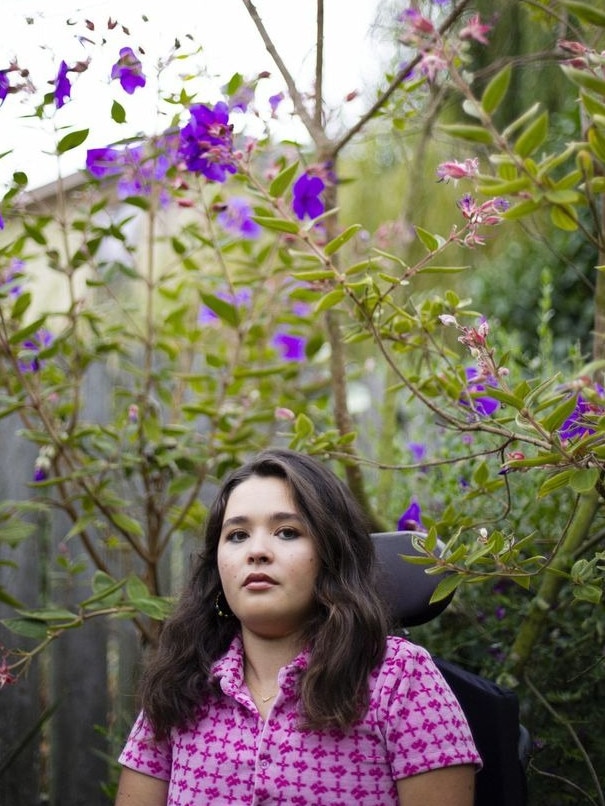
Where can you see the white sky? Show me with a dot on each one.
(229, 41)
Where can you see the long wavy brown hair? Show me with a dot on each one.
(346, 634)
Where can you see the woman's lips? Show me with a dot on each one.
(259, 582)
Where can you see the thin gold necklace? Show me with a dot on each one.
(255, 691)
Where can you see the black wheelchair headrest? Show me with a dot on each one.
(406, 586)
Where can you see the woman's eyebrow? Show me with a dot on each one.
(275, 517)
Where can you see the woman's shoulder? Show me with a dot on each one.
(404, 654)
(405, 666)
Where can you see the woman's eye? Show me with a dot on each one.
(288, 533)
(236, 537)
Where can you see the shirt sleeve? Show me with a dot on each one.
(425, 726)
(144, 754)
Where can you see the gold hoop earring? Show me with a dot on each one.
(222, 611)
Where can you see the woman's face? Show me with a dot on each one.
(267, 560)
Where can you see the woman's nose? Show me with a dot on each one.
(259, 550)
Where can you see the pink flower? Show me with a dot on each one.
(6, 678)
(430, 64)
(458, 170)
(476, 30)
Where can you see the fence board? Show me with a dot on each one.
(20, 706)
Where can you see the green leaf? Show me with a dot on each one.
(330, 299)
(223, 309)
(234, 83)
(524, 208)
(156, 608)
(30, 628)
(25, 332)
(557, 417)
(138, 201)
(181, 484)
(587, 593)
(496, 89)
(127, 524)
(586, 80)
(49, 614)
(136, 588)
(585, 12)
(446, 587)
(541, 460)
(22, 303)
(304, 428)
(105, 590)
(118, 113)
(277, 224)
(282, 181)
(584, 480)
(592, 105)
(428, 239)
(475, 134)
(313, 275)
(335, 244)
(563, 197)
(506, 397)
(564, 217)
(555, 482)
(496, 187)
(72, 140)
(15, 531)
(596, 142)
(532, 138)
(9, 599)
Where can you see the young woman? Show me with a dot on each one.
(276, 682)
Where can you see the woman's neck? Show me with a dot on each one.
(264, 657)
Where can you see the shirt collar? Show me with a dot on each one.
(229, 669)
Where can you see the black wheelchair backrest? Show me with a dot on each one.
(406, 587)
(491, 710)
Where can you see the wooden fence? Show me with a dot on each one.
(62, 725)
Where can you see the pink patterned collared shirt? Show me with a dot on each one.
(230, 755)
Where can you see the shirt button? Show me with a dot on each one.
(264, 764)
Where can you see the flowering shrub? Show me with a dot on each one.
(216, 277)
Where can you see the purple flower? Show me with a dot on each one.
(291, 347)
(236, 218)
(40, 472)
(306, 192)
(102, 162)
(578, 424)
(418, 451)
(129, 71)
(43, 463)
(62, 86)
(1, 221)
(140, 173)
(206, 143)
(9, 279)
(483, 405)
(40, 341)
(411, 519)
(275, 101)
(4, 86)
